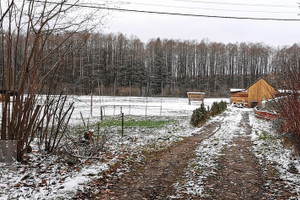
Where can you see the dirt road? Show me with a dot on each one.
(238, 175)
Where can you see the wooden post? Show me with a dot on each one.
(122, 124)
(161, 106)
(98, 128)
(146, 107)
(91, 104)
(83, 120)
(101, 113)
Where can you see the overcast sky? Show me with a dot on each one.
(148, 26)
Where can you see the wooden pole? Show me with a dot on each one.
(83, 120)
(122, 124)
(161, 106)
(91, 104)
(146, 107)
(101, 113)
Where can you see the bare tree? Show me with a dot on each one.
(34, 34)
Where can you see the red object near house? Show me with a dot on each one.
(265, 114)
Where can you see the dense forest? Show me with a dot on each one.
(114, 64)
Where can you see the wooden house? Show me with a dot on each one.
(254, 94)
(259, 91)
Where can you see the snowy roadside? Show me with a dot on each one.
(268, 148)
(57, 178)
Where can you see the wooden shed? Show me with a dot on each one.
(238, 96)
(260, 90)
(254, 94)
(196, 96)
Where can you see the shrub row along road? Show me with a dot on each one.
(238, 175)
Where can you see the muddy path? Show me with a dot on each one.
(154, 178)
(238, 175)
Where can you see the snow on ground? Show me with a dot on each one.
(268, 147)
(53, 177)
(137, 106)
(208, 152)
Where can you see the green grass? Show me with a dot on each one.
(135, 123)
(263, 136)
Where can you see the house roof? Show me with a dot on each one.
(257, 81)
(195, 92)
(235, 90)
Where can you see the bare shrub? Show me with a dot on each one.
(54, 123)
(289, 107)
(35, 36)
(76, 145)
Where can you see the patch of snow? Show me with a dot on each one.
(208, 151)
(268, 146)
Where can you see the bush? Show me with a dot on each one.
(289, 106)
(217, 108)
(199, 116)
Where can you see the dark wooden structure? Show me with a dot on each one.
(3, 93)
(195, 96)
(239, 96)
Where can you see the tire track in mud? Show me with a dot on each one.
(155, 179)
(239, 175)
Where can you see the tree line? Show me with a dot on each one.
(114, 64)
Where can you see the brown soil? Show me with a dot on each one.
(155, 178)
(238, 175)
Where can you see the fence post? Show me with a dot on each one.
(122, 124)
(91, 104)
(146, 107)
(83, 120)
(101, 113)
(161, 106)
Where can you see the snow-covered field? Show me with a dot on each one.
(53, 177)
(136, 106)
